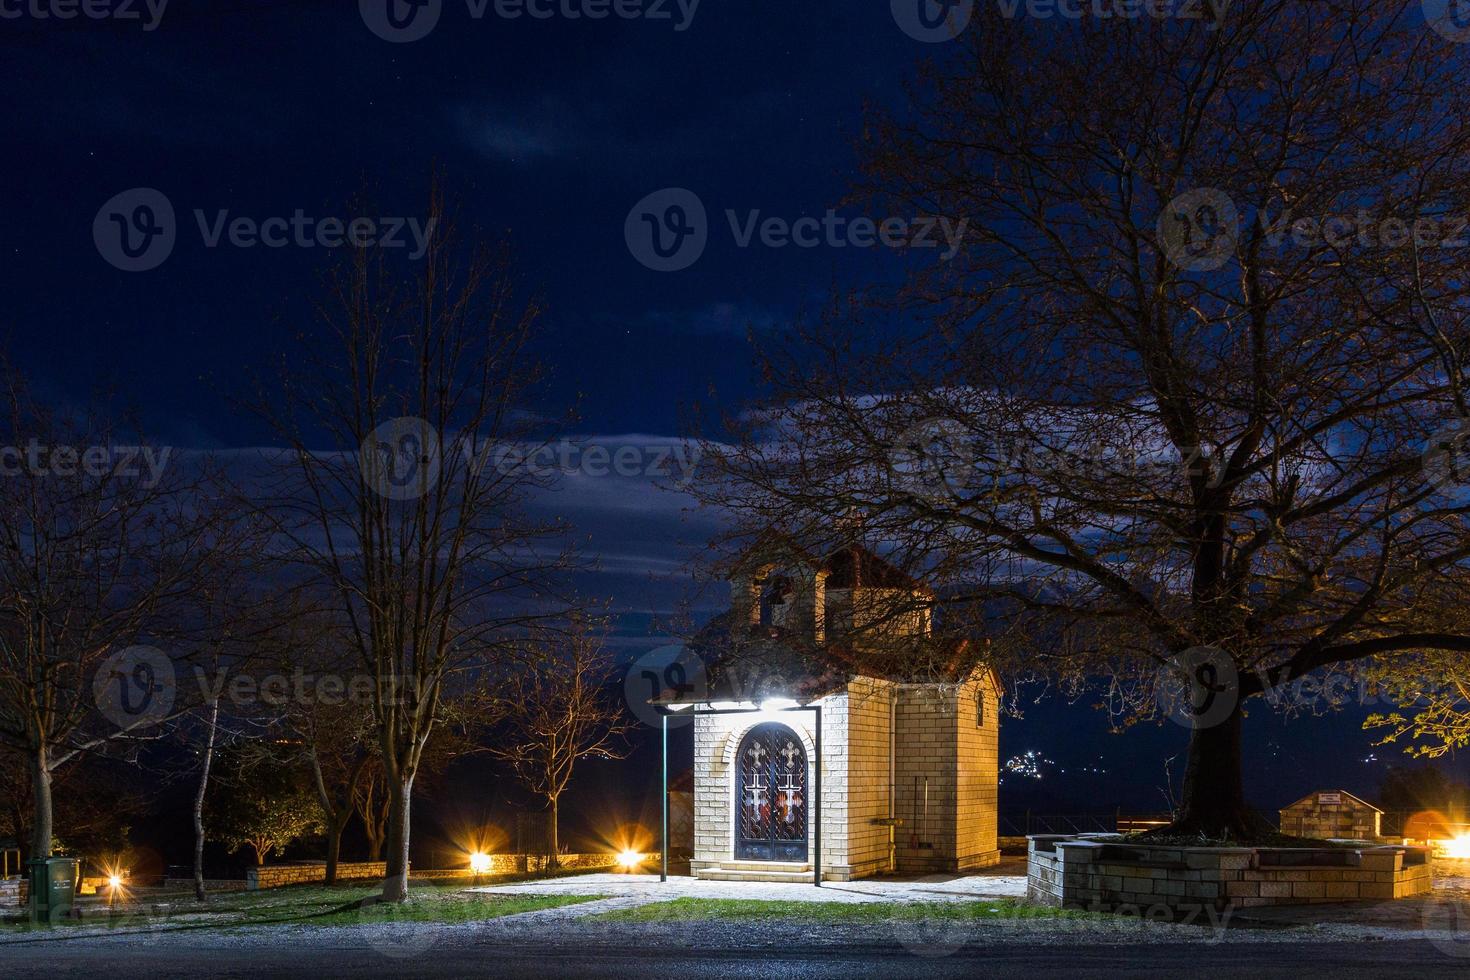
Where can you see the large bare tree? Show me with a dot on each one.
(106, 542)
(1166, 412)
(406, 424)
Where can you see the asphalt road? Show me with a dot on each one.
(1337, 961)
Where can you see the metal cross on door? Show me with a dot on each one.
(771, 796)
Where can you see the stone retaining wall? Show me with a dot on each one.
(1108, 875)
(510, 864)
(210, 884)
(309, 873)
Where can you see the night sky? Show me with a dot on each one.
(547, 131)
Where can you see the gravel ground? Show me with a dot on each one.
(908, 930)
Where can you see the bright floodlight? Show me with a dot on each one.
(114, 881)
(630, 858)
(1458, 848)
(479, 863)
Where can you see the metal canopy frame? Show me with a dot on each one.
(816, 710)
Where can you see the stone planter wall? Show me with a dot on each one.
(1108, 875)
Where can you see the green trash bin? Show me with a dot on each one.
(53, 887)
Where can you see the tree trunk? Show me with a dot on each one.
(375, 841)
(337, 812)
(335, 827)
(395, 880)
(199, 801)
(1213, 803)
(553, 862)
(41, 790)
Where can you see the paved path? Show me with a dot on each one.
(630, 891)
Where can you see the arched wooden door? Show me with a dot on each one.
(771, 796)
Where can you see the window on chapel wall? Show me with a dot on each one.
(979, 709)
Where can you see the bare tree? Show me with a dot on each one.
(105, 541)
(1126, 431)
(557, 711)
(411, 518)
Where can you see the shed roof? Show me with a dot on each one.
(1311, 799)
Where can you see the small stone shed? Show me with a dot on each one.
(1332, 814)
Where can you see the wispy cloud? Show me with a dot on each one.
(517, 136)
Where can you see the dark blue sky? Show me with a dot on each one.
(548, 132)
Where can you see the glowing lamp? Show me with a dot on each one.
(479, 863)
(114, 882)
(630, 859)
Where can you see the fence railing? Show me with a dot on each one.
(1025, 824)
(1432, 824)
(1116, 822)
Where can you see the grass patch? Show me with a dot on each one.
(443, 902)
(698, 909)
(452, 909)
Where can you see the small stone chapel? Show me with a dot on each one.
(835, 734)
